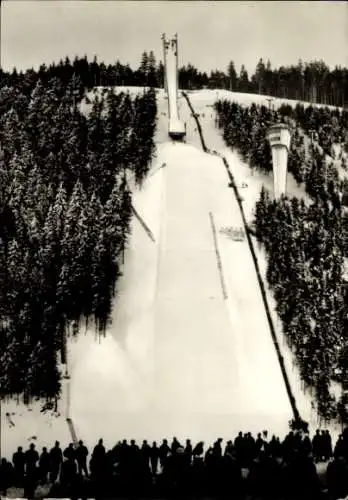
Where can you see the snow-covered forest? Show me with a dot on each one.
(303, 239)
(65, 209)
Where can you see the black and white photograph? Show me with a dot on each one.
(173, 250)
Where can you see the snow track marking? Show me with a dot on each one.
(157, 169)
(218, 258)
(144, 225)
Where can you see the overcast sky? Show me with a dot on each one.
(210, 33)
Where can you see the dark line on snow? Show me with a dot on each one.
(218, 258)
(144, 225)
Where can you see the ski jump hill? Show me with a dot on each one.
(189, 352)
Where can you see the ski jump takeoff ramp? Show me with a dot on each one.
(176, 127)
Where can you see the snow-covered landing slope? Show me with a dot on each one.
(183, 360)
(187, 376)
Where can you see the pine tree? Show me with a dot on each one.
(243, 80)
(144, 69)
(152, 72)
(94, 218)
(232, 76)
(260, 76)
(69, 276)
(160, 75)
(114, 220)
(261, 210)
(101, 288)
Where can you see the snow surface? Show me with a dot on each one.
(178, 358)
(213, 95)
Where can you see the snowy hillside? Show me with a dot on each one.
(209, 96)
(182, 356)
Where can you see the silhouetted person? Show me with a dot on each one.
(6, 475)
(273, 447)
(145, 448)
(133, 455)
(288, 446)
(339, 447)
(317, 446)
(44, 465)
(239, 447)
(99, 451)
(175, 445)
(164, 451)
(142, 460)
(188, 447)
(146, 453)
(31, 460)
(31, 471)
(188, 451)
(251, 441)
(154, 457)
(123, 456)
(18, 461)
(306, 445)
(98, 461)
(198, 450)
(81, 454)
(217, 448)
(327, 444)
(259, 444)
(56, 459)
(116, 451)
(248, 449)
(322, 445)
(69, 452)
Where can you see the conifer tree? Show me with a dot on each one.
(232, 76)
(144, 68)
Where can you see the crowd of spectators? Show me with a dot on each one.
(247, 467)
